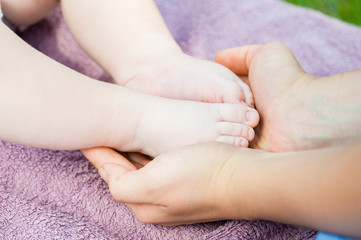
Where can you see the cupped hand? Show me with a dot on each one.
(189, 185)
(279, 87)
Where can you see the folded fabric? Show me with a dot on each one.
(47, 194)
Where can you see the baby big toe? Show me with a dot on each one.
(233, 94)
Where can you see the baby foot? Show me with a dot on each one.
(166, 124)
(180, 76)
(293, 116)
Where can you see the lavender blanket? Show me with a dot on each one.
(58, 194)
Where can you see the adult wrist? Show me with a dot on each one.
(243, 185)
(253, 184)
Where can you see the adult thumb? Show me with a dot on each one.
(126, 184)
(238, 59)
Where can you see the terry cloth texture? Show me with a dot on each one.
(48, 194)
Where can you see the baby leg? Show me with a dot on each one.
(130, 40)
(25, 13)
(39, 108)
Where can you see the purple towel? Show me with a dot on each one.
(58, 194)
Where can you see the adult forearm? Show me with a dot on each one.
(45, 104)
(319, 189)
(347, 103)
(119, 33)
(333, 105)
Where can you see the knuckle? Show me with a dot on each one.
(143, 217)
(114, 189)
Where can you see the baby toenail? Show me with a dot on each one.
(243, 143)
(250, 116)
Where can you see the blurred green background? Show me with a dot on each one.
(346, 10)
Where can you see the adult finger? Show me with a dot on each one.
(138, 159)
(238, 59)
(101, 155)
(128, 186)
(126, 183)
(157, 214)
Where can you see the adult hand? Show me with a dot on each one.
(279, 86)
(214, 181)
(192, 184)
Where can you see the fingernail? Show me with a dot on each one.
(103, 174)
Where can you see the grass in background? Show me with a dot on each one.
(346, 10)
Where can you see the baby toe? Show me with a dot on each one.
(246, 91)
(233, 93)
(237, 113)
(236, 141)
(236, 129)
